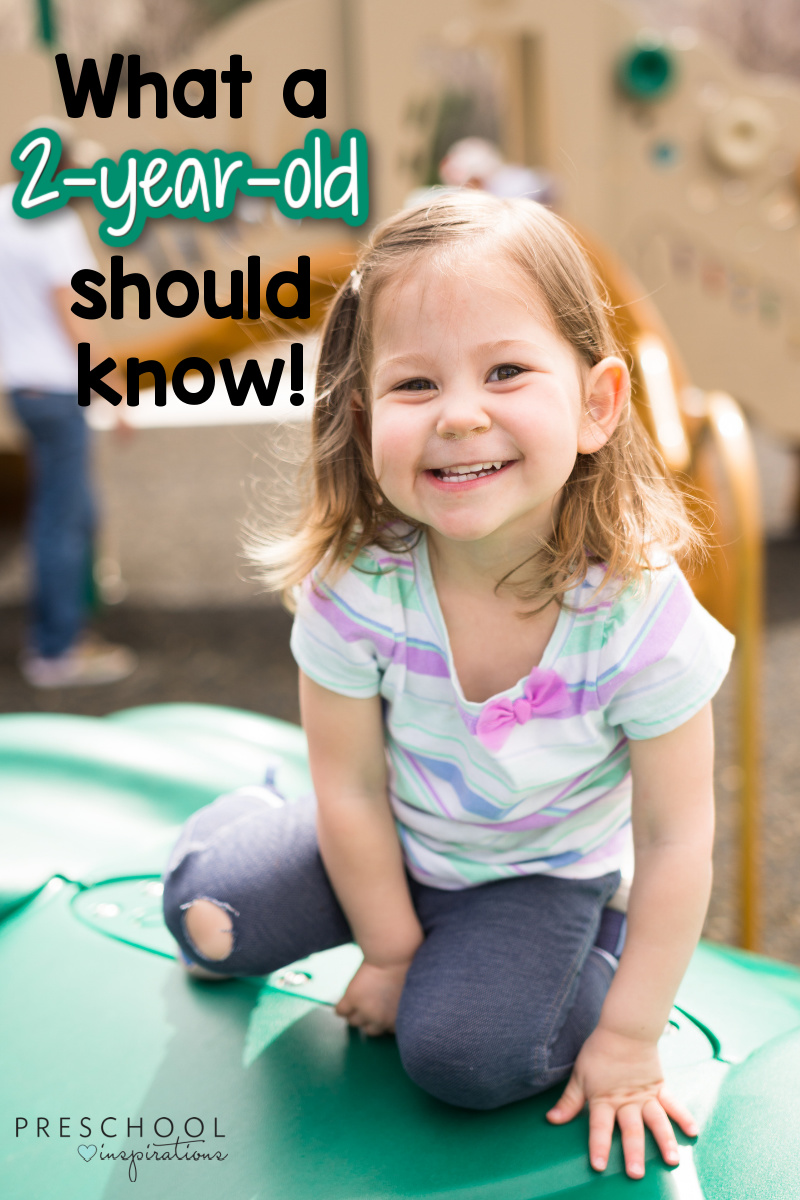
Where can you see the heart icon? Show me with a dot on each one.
(87, 1152)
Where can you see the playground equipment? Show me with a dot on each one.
(105, 1025)
(704, 439)
(683, 165)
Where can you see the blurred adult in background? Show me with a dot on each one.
(39, 364)
(475, 162)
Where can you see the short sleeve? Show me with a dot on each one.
(342, 636)
(663, 657)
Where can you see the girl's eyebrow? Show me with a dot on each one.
(503, 342)
(383, 364)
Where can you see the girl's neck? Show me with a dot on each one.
(477, 567)
(465, 576)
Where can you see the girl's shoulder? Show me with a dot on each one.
(350, 618)
(660, 655)
(652, 619)
(621, 609)
(379, 577)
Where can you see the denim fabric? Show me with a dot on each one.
(61, 523)
(501, 994)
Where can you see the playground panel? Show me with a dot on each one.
(684, 165)
(107, 1028)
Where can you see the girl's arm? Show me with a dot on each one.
(360, 848)
(618, 1070)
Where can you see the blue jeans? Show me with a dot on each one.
(62, 520)
(500, 996)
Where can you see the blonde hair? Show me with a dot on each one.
(618, 507)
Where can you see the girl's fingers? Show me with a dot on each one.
(351, 1013)
(629, 1119)
(680, 1115)
(347, 1004)
(601, 1128)
(357, 1019)
(657, 1122)
(570, 1104)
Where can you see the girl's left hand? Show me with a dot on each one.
(372, 997)
(622, 1081)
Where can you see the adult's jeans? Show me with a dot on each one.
(500, 996)
(62, 516)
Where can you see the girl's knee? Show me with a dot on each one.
(201, 923)
(461, 1070)
(477, 1081)
(208, 928)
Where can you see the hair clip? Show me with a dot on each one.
(355, 280)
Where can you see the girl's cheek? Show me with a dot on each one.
(393, 443)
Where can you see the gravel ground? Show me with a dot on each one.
(173, 503)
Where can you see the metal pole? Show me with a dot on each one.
(729, 431)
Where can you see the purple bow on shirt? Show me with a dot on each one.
(544, 694)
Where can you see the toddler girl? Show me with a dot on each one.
(502, 674)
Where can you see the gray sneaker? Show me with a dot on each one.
(91, 661)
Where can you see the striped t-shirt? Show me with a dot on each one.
(536, 779)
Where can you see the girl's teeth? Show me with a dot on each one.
(466, 473)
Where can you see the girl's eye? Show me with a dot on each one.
(504, 371)
(415, 385)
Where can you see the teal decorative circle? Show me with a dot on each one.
(665, 154)
(647, 72)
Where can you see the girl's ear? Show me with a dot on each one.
(608, 389)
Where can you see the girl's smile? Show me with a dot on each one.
(466, 474)
(477, 405)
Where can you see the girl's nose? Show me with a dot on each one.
(461, 415)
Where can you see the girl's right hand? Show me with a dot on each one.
(371, 1000)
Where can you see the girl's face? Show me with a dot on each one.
(478, 409)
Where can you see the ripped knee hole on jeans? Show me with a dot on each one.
(208, 925)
